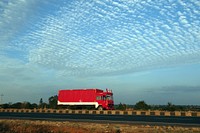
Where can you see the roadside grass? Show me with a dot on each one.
(36, 126)
(4, 127)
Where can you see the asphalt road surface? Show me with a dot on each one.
(129, 119)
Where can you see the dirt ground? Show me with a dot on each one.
(36, 126)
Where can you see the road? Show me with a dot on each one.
(129, 119)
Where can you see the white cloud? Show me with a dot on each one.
(94, 38)
(13, 15)
(47, 45)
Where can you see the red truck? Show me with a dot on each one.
(87, 97)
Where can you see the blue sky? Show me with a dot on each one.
(142, 50)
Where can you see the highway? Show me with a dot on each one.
(129, 119)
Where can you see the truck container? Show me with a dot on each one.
(96, 98)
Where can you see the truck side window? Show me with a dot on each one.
(104, 98)
(98, 98)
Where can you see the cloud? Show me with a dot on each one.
(181, 89)
(177, 94)
(20, 81)
(101, 37)
(13, 15)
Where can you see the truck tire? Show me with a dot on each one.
(100, 108)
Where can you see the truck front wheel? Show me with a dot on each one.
(100, 108)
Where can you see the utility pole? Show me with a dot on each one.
(1, 99)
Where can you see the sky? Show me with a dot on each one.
(141, 49)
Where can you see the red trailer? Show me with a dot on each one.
(87, 97)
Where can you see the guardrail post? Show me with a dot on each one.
(188, 114)
(90, 111)
(121, 112)
(167, 113)
(177, 113)
(129, 112)
(70, 111)
(113, 112)
(157, 113)
(98, 112)
(76, 111)
(198, 114)
(83, 111)
(105, 112)
(138, 112)
(57, 110)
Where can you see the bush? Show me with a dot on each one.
(141, 105)
(121, 107)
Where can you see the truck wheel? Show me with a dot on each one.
(100, 108)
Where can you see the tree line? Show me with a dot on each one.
(141, 105)
(52, 103)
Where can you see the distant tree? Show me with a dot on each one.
(170, 107)
(17, 105)
(141, 105)
(45, 105)
(53, 102)
(121, 107)
(42, 104)
(34, 105)
(26, 105)
(5, 106)
(41, 101)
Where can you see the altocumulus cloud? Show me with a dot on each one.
(100, 37)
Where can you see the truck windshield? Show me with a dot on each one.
(109, 97)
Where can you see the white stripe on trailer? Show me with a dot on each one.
(79, 103)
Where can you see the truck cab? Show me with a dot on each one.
(105, 100)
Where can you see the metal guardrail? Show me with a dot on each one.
(107, 112)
